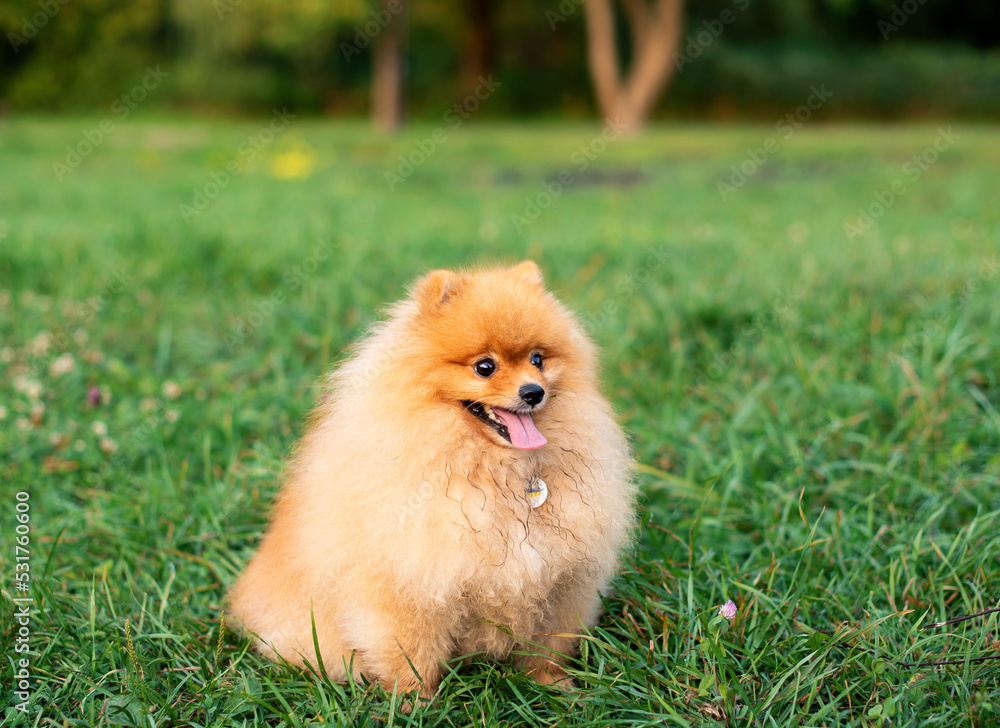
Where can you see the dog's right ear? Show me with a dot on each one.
(529, 271)
(434, 289)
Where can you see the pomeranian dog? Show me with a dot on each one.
(463, 489)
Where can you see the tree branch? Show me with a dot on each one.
(637, 15)
(654, 67)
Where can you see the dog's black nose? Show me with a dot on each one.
(531, 393)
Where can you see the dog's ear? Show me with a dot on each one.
(528, 271)
(434, 289)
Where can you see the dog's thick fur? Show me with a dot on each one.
(404, 529)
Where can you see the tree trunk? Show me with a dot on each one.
(480, 46)
(655, 29)
(387, 68)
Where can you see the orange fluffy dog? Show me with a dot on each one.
(464, 488)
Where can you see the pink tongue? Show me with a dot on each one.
(523, 433)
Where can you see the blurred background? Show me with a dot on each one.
(731, 59)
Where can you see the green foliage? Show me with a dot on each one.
(826, 459)
(252, 55)
(78, 54)
(897, 81)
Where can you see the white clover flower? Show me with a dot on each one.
(62, 364)
(99, 428)
(41, 343)
(34, 390)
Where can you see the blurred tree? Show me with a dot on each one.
(654, 29)
(481, 42)
(259, 53)
(63, 54)
(387, 65)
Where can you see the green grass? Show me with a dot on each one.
(828, 460)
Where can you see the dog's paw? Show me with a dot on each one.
(548, 672)
(415, 701)
(565, 682)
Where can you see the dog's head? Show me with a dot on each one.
(497, 345)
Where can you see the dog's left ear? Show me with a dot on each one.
(529, 272)
(434, 289)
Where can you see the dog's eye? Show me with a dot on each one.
(536, 360)
(485, 367)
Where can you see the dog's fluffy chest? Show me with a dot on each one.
(505, 595)
(518, 556)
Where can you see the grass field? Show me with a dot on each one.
(814, 411)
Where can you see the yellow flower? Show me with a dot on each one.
(295, 163)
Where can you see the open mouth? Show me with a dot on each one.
(517, 428)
